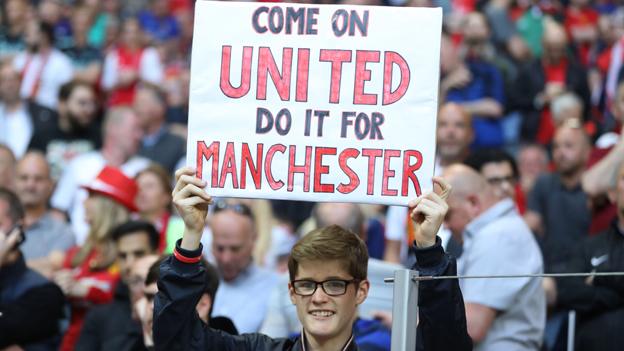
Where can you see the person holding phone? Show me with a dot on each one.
(30, 305)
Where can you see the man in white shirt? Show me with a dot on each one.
(121, 137)
(244, 291)
(43, 68)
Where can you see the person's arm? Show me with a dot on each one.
(33, 317)
(535, 206)
(182, 280)
(479, 319)
(601, 176)
(442, 320)
(486, 107)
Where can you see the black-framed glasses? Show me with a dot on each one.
(241, 209)
(331, 287)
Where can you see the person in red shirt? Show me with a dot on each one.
(89, 275)
(581, 24)
(129, 64)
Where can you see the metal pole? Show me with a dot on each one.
(571, 329)
(404, 310)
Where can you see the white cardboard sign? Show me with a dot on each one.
(314, 102)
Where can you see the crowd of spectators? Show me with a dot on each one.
(93, 114)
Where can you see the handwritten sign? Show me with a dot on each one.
(313, 102)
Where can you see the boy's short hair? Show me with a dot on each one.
(331, 243)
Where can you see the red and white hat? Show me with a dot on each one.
(113, 183)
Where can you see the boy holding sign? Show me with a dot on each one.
(327, 282)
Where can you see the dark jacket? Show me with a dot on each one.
(177, 326)
(31, 308)
(600, 253)
(111, 327)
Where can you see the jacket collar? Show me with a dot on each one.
(349, 345)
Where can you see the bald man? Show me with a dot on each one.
(47, 237)
(557, 208)
(540, 82)
(454, 135)
(501, 316)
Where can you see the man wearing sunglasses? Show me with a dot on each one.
(328, 280)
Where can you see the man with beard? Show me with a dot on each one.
(73, 131)
(557, 207)
(43, 68)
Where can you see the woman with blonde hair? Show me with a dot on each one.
(90, 275)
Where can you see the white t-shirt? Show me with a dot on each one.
(150, 68)
(52, 73)
(16, 129)
(69, 196)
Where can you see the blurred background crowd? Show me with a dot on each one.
(93, 114)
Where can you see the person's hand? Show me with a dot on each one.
(7, 243)
(553, 90)
(64, 279)
(128, 77)
(428, 212)
(191, 201)
(458, 78)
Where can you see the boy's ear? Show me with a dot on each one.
(362, 291)
(291, 293)
(612, 195)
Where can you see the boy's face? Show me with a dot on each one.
(326, 317)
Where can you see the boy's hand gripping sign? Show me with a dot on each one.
(317, 103)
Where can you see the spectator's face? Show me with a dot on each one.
(131, 33)
(160, 7)
(458, 215)
(128, 134)
(33, 184)
(137, 275)
(232, 242)
(152, 197)
(9, 84)
(50, 11)
(555, 45)
(570, 151)
(146, 312)
(618, 104)
(15, 11)
(32, 36)
(7, 168)
(476, 31)
(148, 108)
(130, 248)
(91, 208)
(532, 162)
(81, 22)
(6, 224)
(619, 187)
(81, 106)
(322, 316)
(501, 178)
(454, 133)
